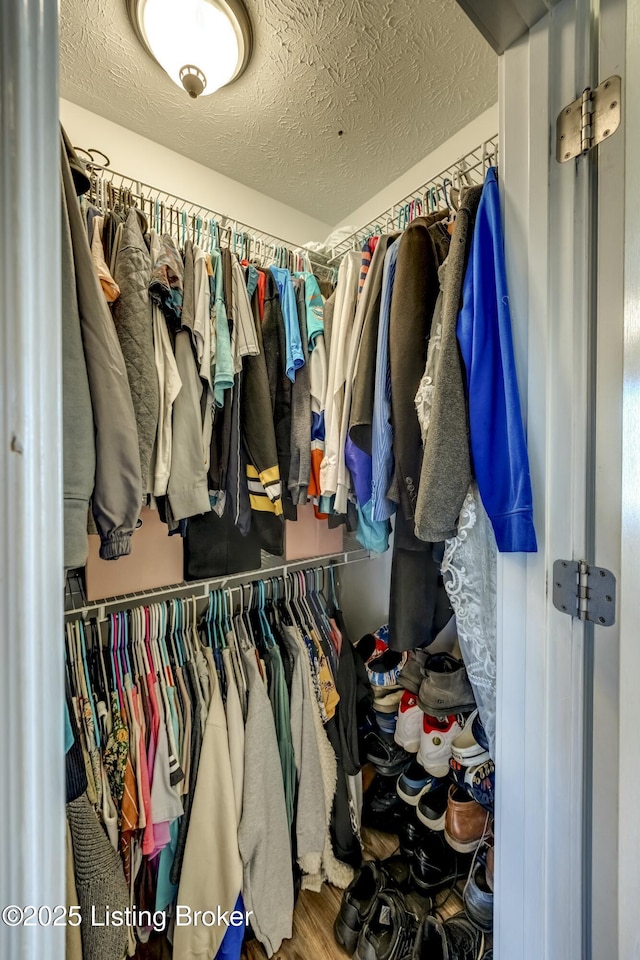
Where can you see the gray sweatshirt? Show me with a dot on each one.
(117, 491)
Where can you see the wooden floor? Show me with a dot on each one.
(315, 913)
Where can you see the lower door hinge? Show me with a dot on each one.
(585, 592)
(592, 118)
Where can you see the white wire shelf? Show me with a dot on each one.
(200, 589)
(430, 196)
(186, 218)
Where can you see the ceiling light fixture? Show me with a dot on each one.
(202, 44)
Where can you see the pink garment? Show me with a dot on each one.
(336, 636)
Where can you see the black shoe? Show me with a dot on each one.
(455, 939)
(432, 807)
(410, 833)
(360, 896)
(386, 756)
(357, 903)
(382, 808)
(436, 865)
(390, 930)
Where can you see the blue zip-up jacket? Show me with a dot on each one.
(498, 445)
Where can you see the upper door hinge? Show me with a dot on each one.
(592, 118)
(586, 592)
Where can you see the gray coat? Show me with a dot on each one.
(446, 465)
(132, 316)
(117, 491)
(79, 452)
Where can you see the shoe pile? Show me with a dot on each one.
(435, 789)
(381, 918)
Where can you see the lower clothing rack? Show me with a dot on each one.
(200, 589)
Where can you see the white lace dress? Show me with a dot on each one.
(469, 571)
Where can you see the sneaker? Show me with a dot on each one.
(435, 743)
(480, 733)
(432, 806)
(410, 677)
(477, 781)
(360, 896)
(465, 748)
(455, 939)
(478, 897)
(383, 670)
(386, 722)
(415, 781)
(390, 930)
(466, 822)
(373, 644)
(386, 756)
(409, 726)
(445, 688)
(388, 701)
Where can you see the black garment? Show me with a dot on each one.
(415, 293)
(222, 420)
(344, 840)
(418, 604)
(214, 546)
(356, 699)
(259, 435)
(275, 350)
(237, 487)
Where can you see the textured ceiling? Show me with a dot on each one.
(399, 77)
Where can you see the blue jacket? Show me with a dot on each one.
(498, 445)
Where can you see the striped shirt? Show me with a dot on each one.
(368, 249)
(382, 431)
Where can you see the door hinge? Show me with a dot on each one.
(592, 118)
(583, 591)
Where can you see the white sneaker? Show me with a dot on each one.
(435, 743)
(409, 725)
(466, 749)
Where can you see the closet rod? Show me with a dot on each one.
(200, 589)
(469, 169)
(149, 194)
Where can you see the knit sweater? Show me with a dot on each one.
(100, 883)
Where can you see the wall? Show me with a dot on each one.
(364, 593)
(476, 132)
(154, 164)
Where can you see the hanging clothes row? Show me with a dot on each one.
(213, 760)
(423, 423)
(193, 371)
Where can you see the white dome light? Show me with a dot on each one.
(201, 44)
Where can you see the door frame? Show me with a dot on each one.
(32, 791)
(540, 810)
(629, 713)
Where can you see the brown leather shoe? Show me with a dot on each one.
(465, 821)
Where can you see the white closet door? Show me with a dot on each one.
(32, 838)
(627, 845)
(568, 350)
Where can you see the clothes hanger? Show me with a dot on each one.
(89, 689)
